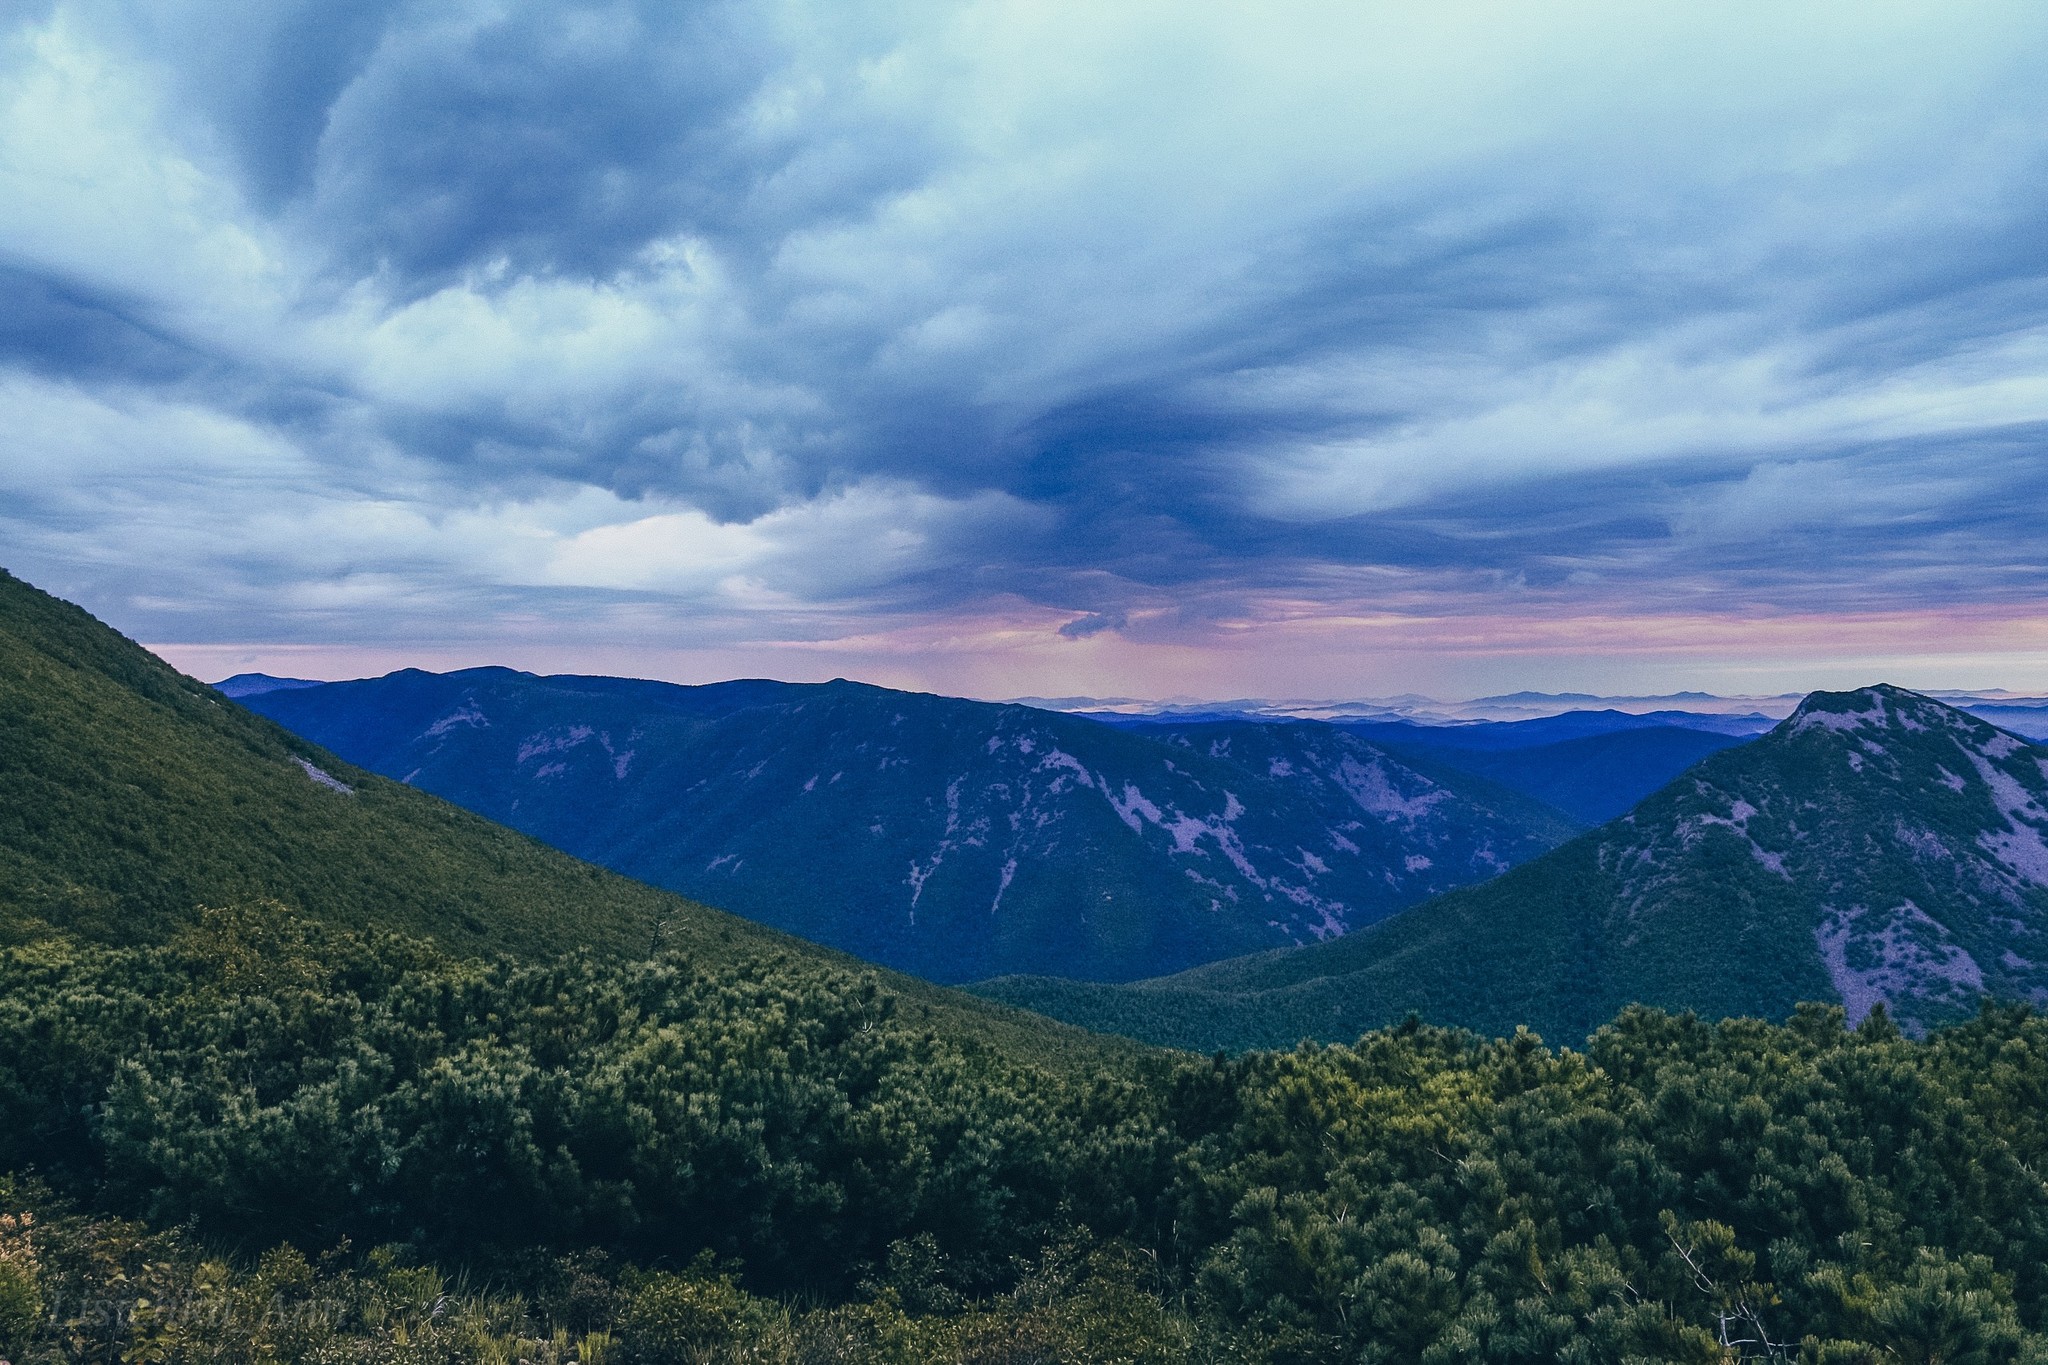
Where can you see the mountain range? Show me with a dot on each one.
(954, 839)
(132, 796)
(255, 999)
(2022, 713)
(1592, 778)
(1877, 847)
(1592, 765)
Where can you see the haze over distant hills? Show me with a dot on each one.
(1877, 846)
(1734, 715)
(956, 839)
(1698, 706)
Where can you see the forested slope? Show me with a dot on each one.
(130, 793)
(1877, 847)
(670, 1165)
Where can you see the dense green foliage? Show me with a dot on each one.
(1877, 846)
(264, 1074)
(1421, 1195)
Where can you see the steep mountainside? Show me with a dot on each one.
(1876, 846)
(1594, 778)
(950, 838)
(131, 795)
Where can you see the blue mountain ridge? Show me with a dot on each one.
(1876, 848)
(955, 839)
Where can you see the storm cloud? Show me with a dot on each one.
(1071, 331)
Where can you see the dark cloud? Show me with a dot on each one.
(264, 74)
(840, 316)
(1093, 624)
(560, 138)
(56, 329)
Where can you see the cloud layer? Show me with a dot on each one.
(1100, 339)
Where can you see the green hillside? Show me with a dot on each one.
(1877, 847)
(272, 1133)
(131, 795)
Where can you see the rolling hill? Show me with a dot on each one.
(1877, 846)
(953, 839)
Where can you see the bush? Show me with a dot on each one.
(21, 1296)
(678, 1319)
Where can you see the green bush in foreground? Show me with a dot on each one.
(759, 1159)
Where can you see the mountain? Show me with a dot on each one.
(743, 1147)
(255, 684)
(1877, 846)
(1592, 765)
(131, 795)
(954, 839)
(1593, 778)
(2025, 718)
(1497, 735)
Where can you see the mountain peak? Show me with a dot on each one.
(1906, 736)
(1878, 847)
(1880, 706)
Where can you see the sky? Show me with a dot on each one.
(1143, 349)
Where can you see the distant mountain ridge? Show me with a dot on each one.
(955, 839)
(255, 684)
(1592, 778)
(1590, 765)
(1876, 847)
(1737, 715)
